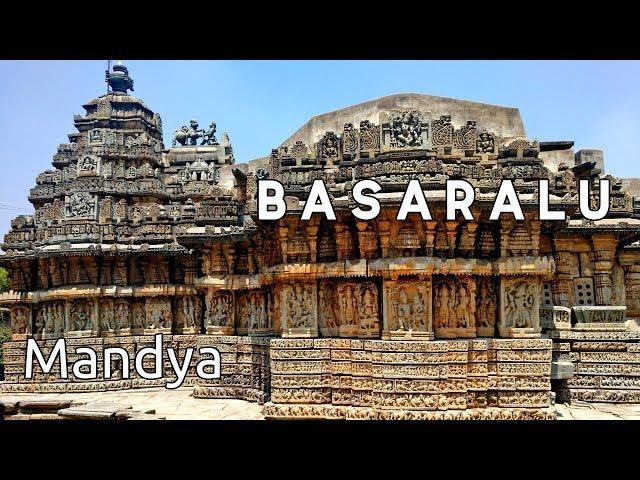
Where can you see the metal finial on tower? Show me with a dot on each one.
(119, 79)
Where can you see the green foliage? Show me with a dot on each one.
(4, 280)
(5, 336)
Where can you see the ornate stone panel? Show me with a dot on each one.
(219, 315)
(407, 309)
(519, 307)
(454, 299)
(298, 310)
(348, 309)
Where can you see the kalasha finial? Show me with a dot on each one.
(119, 79)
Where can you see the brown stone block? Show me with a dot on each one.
(610, 357)
(361, 383)
(524, 355)
(520, 344)
(607, 369)
(291, 343)
(525, 399)
(407, 346)
(523, 369)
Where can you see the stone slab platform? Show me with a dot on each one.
(140, 404)
(180, 405)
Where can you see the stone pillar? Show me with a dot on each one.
(535, 237)
(563, 285)
(312, 240)
(343, 241)
(451, 228)
(383, 232)
(604, 249)
(367, 242)
(430, 236)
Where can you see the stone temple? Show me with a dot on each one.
(332, 319)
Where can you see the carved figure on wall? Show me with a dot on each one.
(486, 310)
(39, 322)
(219, 310)
(297, 308)
(406, 129)
(80, 205)
(158, 314)
(408, 310)
(189, 313)
(107, 315)
(122, 315)
(137, 315)
(20, 320)
(455, 312)
(81, 316)
(520, 300)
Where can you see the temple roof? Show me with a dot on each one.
(503, 121)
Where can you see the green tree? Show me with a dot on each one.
(4, 280)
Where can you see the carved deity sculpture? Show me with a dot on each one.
(455, 307)
(122, 315)
(486, 308)
(81, 316)
(20, 320)
(80, 205)
(298, 315)
(406, 129)
(219, 310)
(520, 300)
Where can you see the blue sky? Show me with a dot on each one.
(260, 103)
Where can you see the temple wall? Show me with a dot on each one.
(377, 379)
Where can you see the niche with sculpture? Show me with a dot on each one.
(454, 300)
(219, 316)
(519, 307)
(298, 316)
(348, 309)
(407, 311)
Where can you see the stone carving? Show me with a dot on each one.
(349, 309)
(369, 136)
(219, 313)
(187, 135)
(486, 307)
(81, 316)
(519, 305)
(252, 313)
(454, 307)
(442, 131)
(465, 137)
(408, 309)
(88, 165)
(329, 146)
(20, 322)
(107, 316)
(80, 205)
(298, 310)
(406, 129)
(188, 314)
(485, 143)
(158, 316)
